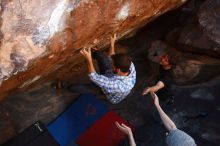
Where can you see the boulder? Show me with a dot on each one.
(195, 69)
(202, 32)
(38, 37)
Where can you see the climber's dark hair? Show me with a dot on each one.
(121, 61)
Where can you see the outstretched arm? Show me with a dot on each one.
(154, 88)
(168, 123)
(86, 52)
(127, 130)
(112, 48)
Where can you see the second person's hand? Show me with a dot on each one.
(155, 98)
(123, 128)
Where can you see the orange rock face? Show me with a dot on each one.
(38, 37)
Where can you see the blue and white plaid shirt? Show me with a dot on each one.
(114, 86)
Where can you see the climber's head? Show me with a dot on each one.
(121, 63)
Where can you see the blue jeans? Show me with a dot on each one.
(104, 64)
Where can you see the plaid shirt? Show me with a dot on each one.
(114, 86)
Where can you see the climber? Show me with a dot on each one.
(117, 74)
(174, 137)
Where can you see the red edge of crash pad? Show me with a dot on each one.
(104, 132)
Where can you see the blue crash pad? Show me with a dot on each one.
(88, 109)
(80, 115)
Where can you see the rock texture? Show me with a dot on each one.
(202, 30)
(41, 36)
(198, 74)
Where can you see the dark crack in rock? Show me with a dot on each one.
(19, 63)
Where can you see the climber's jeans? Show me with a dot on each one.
(103, 61)
(104, 64)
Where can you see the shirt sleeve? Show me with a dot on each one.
(101, 81)
(166, 79)
(132, 68)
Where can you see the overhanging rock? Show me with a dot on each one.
(37, 37)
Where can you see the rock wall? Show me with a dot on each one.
(201, 33)
(39, 37)
(197, 38)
